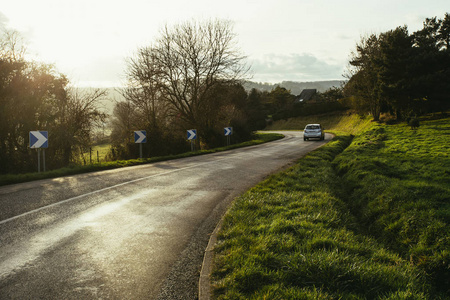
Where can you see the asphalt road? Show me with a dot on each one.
(130, 233)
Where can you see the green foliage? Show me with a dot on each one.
(338, 121)
(34, 96)
(365, 221)
(402, 73)
(414, 123)
(292, 237)
(398, 187)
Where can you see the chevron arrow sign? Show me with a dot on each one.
(192, 134)
(140, 136)
(228, 131)
(38, 139)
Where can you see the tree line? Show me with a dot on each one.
(400, 73)
(34, 96)
(192, 77)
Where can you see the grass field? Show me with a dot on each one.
(360, 218)
(99, 153)
(341, 121)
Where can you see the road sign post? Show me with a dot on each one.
(43, 157)
(39, 160)
(228, 131)
(38, 140)
(140, 137)
(191, 136)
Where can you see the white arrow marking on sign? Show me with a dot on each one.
(141, 136)
(192, 134)
(227, 130)
(40, 139)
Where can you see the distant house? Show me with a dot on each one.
(306, 95)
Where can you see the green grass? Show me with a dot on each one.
(367, 221)
(259, 138)
(99, 153)
(342, 121)
(399, 188)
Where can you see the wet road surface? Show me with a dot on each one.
(131, 233)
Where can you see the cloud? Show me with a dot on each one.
(293, 67)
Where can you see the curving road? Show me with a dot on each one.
(130, 233)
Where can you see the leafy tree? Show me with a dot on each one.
(395, 71)
(255, 111)
(34, 96)
(406, 74)
(432, 64)
(281, 102)
(444, 33)
(332, 94)
(363, 84)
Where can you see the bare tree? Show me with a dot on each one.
(12, 46)
(193, 59)
(78, 114)
(175, 82)
(122, 123)
(144, 90)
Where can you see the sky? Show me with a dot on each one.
(284, 40)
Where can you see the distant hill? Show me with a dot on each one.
(295, 87)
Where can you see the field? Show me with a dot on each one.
(364, 217)
(345, 122)
(99, 153)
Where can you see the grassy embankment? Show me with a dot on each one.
(259, 138)
(359, 218)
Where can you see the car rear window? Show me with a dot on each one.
(312, 127)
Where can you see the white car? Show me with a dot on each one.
(313, 131)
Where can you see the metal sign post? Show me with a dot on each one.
(39, 160)
(191, 136)
(140, 137)
(43, 157)
(228, 131)
(38, 140)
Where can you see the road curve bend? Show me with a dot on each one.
(132, 233)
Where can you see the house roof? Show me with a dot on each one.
(306, 95)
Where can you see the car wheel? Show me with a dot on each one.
(304, 139)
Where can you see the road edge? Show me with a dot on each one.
(204, 285)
